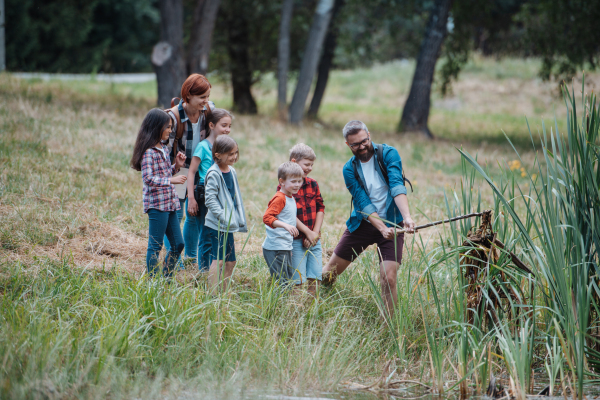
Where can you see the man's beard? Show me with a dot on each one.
(366, 156)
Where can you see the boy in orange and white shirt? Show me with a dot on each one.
(280, 219)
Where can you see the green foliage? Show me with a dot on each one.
(380, 31)
(518, 350)
(559, 234)
(564, 33)
(80, 35)
(484, 26)
(263, 18)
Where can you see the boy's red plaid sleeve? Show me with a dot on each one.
(319, 199)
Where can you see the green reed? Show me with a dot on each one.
(559, 234)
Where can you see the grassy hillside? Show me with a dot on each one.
(76, 319)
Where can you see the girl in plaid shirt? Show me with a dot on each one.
(151, 157)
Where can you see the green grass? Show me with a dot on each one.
(77, 319)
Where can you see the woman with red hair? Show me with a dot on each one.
(189, 128)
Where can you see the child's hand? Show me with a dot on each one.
(178, 180)
(179, 160)
(312, 237)
(291, 229)
(307, 244)
(192, 206)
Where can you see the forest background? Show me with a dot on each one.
(240, 41)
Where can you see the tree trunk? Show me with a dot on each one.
(326, 62)
(416, 109)
(2, 37)
(167, 55)
(241, 73)
(283, 56)
(310, 59)
(205, 17)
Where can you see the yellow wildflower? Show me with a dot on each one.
(514, 164)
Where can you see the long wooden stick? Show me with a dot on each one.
(443, 221)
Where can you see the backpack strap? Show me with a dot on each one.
(174, 111)
(381, 163)
(383, 168)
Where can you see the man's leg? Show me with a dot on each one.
(388, 276)
(391, 257)
(350, 246)
(334, 267)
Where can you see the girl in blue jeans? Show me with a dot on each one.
(219, 123)
(151, 157)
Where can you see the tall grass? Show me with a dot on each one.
(86, 334)
(78, 321)
(560, 234)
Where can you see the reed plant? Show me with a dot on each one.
(517, 353)
(559, 235)
(554, 362)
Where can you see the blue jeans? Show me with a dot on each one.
(163, 223)
(194, 235)
(306, 262)
(183, 203)
(193, 229)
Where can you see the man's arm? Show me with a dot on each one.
(394, 169)
(362, 202)
(402, 203)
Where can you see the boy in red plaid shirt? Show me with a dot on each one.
(306, 250)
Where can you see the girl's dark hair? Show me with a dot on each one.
(149, 135)
(223, 145)
(215, 116)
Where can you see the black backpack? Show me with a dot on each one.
(382, 167)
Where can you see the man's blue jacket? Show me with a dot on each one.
(361, 200)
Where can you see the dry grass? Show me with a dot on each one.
(84, 201)
(67, 193)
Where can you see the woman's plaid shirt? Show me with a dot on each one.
(156, 174)
(308, 203)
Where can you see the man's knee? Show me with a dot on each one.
(389, 273)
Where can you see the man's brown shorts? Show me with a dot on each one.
(353, 243)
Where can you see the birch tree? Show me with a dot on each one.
(283, 56)
(326, 61)
(205, 17)
(310, 59)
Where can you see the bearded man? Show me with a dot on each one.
(374, 178)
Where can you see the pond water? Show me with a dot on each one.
(402, 393)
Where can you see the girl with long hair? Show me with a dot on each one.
(151, 157)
